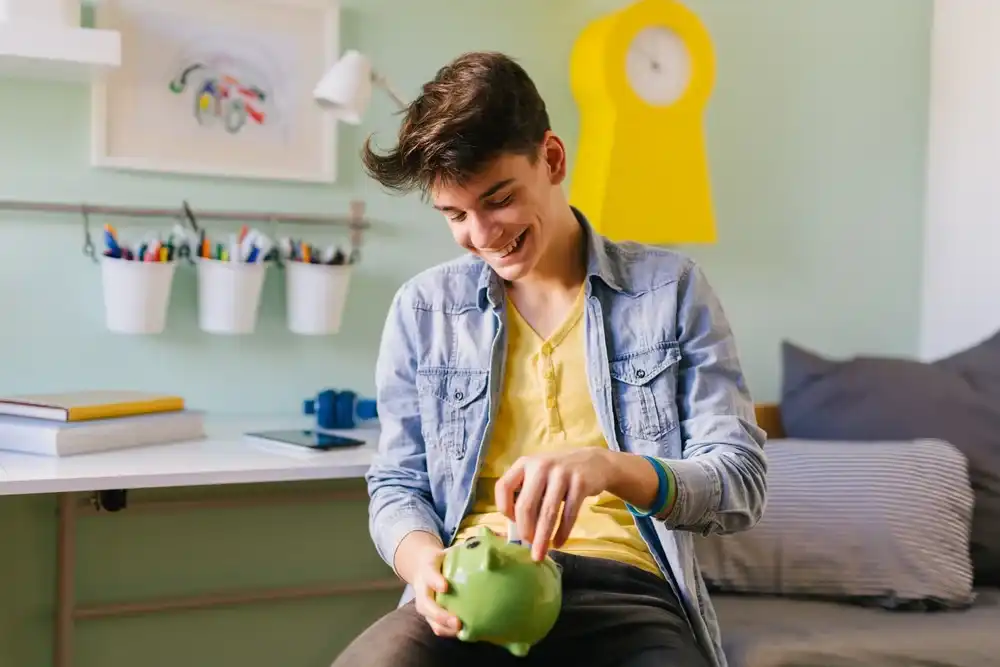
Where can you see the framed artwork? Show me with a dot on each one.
(219, 88)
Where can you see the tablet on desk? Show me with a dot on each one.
(306, 438)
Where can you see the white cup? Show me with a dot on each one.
(315, 295)
(136, 294)
(229, 295)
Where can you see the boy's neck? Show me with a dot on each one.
(563, 267)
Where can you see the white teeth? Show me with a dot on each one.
(503, 252)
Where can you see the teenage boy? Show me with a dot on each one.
(588, 391)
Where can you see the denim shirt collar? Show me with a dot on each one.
(599, 265)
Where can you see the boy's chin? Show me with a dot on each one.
(512, 272)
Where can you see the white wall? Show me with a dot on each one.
(961, 284)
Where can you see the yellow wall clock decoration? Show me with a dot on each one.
(641, 78)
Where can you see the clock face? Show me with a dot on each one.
(658, 66)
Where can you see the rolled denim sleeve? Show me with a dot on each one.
(721, 478)
(398, 483)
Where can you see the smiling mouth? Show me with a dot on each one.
(510, 247)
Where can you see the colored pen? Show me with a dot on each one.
(286, 249)
(247, 243)
(263, 246)
(111, 241)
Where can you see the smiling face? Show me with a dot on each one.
(478, 143)
(503, 213)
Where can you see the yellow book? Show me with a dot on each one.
(78, 406)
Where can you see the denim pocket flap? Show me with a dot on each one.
(457, 388)
(640, 368)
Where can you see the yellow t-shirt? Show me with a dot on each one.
(546, 407)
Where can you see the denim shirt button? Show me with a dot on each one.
(459, 395)
(640, 373)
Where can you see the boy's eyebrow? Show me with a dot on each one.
(495, 187)
(489, 192)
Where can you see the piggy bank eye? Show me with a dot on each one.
(472, 544)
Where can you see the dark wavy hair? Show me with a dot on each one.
(478, 107)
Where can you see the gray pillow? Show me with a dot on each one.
(877, 523)
(870, 398)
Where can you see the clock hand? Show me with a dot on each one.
(653, 62)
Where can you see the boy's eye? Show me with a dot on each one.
(460, 216)
(503, 202)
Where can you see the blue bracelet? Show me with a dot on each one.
(662, 491)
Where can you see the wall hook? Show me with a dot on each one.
(186, 242)
(189, 215)
(88, 241)
(274, 254)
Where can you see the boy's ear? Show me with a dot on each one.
(554, 154)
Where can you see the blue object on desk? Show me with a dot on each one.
(340, 409)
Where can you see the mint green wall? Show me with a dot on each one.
(816, 134)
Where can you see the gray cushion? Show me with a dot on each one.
(870, 398)
(880, 523)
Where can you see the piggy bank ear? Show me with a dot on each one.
(493, 559)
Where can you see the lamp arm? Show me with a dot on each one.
(384, 84)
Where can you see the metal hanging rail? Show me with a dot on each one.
(354, 220)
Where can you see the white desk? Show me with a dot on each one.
(225, 457)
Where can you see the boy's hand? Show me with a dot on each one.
(544, 483)
(427, 582)
(418, 561)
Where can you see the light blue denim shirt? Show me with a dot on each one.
(665, 381)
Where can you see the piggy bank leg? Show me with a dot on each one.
(518, 650)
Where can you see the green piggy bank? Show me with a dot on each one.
(499, 594)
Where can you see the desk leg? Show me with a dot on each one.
(65, 581)
(67, 609)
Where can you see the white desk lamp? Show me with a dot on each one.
(347, 87)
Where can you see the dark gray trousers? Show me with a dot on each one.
(613, 615)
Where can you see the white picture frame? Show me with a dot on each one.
(218, 88)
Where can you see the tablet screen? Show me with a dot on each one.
(308, 438)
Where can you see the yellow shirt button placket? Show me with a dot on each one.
(551, 389)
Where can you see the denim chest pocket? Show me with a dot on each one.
(644, 390)
(451, 401)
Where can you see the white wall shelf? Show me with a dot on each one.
(43, 39)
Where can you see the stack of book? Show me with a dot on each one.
(65, 424)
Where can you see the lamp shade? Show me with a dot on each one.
(346, 88)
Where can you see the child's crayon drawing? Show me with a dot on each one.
(219, 96)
